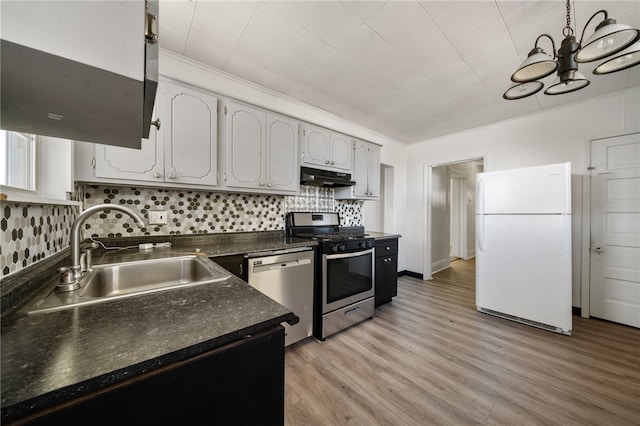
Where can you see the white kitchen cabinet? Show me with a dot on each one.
(91, 65)
(191, 136)
(366, 173)
(325, 149)
(261, 150)
(183, 152)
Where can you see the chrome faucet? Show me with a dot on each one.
(70, 276)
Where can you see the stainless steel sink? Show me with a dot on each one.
(119, 280)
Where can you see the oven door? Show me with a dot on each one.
(346, 278)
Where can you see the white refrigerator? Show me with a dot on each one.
(523, 245)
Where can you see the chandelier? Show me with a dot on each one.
(616, 42)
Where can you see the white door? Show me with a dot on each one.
(283, 172)
(374, 170)
(361, 169)
(317, 145)
(190, 139)
(146, 163)
(341, 152)
(245, 142)
(615, 229)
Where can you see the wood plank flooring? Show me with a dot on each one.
(430, 358)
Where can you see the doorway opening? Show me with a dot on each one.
(450, 214)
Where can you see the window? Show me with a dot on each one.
(36, 169)
(18, 160)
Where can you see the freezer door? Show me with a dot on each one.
(530, 190)
(523, 267)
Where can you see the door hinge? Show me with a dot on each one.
(93, 162)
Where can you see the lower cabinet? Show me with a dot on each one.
(386, 271)
(234, 263)
(241, 383)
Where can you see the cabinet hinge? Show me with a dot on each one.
(591, 168)
(225, 177)
(304, 132)
(93, 162)
(225, 110)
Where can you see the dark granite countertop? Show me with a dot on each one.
(382, 235)
(48, 358)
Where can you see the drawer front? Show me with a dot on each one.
(386, 247)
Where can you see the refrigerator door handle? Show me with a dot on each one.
(480, 206)
(480, 232)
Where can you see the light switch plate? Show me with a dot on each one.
(158, 217)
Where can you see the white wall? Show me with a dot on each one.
(553, 136)
(393, 153)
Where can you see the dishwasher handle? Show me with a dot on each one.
(257, 265)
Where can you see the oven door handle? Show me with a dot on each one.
(350, 254)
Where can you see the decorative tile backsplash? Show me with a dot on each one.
(32, 232)
(193, 212)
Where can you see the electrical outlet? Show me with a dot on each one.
(158, 217)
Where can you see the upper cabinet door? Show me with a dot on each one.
(361, 169)
(245, 146)
(283, 172)
(366, 173)
(190, 138)
(341, 152)
(374, 171)
(316, 146)
(144, 164)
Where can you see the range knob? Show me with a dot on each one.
(369, 244)
(362, 244)
(334, 248)
(342, 247)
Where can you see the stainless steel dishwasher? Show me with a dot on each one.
(286, 276)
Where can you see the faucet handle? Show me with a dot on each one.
(67, 280)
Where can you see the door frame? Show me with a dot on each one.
(585, 307)
(426, 241)
(461, 204)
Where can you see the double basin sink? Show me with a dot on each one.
(120, 280)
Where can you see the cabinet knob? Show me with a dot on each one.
(261, 183)
(326, 162)
(332, 163)
(157, 175)
(156, 123)
(388, 248)
(269, 185)
(171, 176)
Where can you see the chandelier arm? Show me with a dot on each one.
(553, 45)
(606, 15)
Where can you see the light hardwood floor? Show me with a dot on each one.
(430, 358)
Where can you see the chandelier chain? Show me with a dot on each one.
(567, 31)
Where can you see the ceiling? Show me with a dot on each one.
(410, 70)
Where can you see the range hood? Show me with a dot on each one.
(326, 178)
(46, 94)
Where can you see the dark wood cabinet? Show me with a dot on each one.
(241, 383)
(234, 263)
(386, 270)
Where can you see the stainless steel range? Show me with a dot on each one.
(344, 290)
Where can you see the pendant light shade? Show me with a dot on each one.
(619, 43)
(627, 58)
(577, 82)
(537, 65)
(522, 90)
(609, 38)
